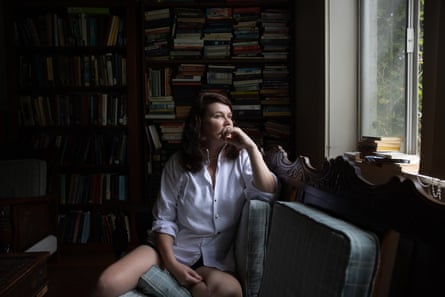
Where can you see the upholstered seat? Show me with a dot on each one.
(312, 254)
(309, 253)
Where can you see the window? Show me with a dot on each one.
(390, 59)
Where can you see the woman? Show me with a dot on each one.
(203, 188)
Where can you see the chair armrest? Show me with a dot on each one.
(250, 245)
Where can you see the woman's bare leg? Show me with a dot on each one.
(123, 275)
(216, 284)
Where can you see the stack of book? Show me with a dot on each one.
(217, 32)
(276, 132)
(220, 75)
(244, 48)
(162, 107)
(187, 33)
(275, 37)
(253, 129)
(275, 91)
(157, 32)
(247, 79)
(250, 109)
(246, 32)
(368, 145)
(245, 91)
(246, 96)
(187, 82)
(171, 132)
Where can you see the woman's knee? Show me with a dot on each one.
(221, 284)
(228, 291)
(123, 275)
(107, 284)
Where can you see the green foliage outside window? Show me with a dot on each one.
(391, 63)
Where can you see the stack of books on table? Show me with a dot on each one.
(383, 150)
(368, 145)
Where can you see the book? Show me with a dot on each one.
(380, 159)
(382, 138)
(154, 136)
(88, 10)
(369, 144)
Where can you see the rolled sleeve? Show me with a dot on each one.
(251, 191)
(165, 208)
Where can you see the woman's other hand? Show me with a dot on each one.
(185, 275)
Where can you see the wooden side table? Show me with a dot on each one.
(23, 274)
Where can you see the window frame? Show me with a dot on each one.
(411, 134)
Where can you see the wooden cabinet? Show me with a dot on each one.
(24, 221)
(23, 274)
(239, 48)
(75, 87)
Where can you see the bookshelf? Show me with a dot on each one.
(76, 91)
(240, 48)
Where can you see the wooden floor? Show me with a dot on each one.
(74, 271)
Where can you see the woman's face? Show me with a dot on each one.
(216, 119)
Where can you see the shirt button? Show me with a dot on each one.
(216, 216)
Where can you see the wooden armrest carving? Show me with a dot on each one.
(291, 174)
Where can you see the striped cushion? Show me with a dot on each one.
(310, 253)
(250, 245)
(159, 283)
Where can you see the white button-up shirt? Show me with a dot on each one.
(203, 219)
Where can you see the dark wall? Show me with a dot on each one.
(310, 79)
(3, 98)
(8, 115)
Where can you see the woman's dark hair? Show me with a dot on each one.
(192, 153)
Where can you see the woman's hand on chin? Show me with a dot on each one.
(237, 137)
